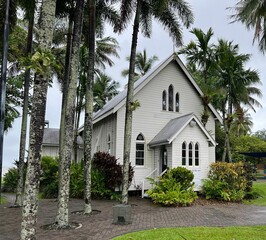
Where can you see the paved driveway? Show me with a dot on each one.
(145, 215)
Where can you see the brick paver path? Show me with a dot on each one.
(145, 215)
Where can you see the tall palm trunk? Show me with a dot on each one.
(89, 109)
(30, 203)
(129, 106)
(62, 217)
(24, 121)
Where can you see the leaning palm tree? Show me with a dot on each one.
(252, 13)
(170, 13)
(143, 64)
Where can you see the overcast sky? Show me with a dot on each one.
(207, 13)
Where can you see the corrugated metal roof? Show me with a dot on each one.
(51, 137)
(170, 129)
(174, 127)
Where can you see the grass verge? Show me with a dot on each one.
(260, 188)
(3, 200)
(199, 233)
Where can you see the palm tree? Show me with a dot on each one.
(237, 83)
(143, 64)
(104, 89)
(242, 123)
(252, 13)
(29, 8)
(89, 107)
(105, 48)
(200, 58)
(169, 13)
(30, 206)
(68, 113)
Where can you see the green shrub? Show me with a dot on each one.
(227, 182)
(49, 177)
(10, 180)
(181, 175)
(250, 175)
(77, 180)
(111, 170)
(168, 191)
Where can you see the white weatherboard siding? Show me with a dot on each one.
(149, 118)
(52, 151)
(101, 130)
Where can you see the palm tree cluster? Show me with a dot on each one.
(76, 52)
(220, 71)
(67, 42)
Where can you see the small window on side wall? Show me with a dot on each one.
(109, 143)
(164, 100)
(140, 150)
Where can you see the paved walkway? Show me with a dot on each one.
(145, 215)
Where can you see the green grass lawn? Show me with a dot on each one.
(259, 187)
(199, 233)
(3, 200)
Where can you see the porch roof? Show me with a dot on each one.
(174, 127)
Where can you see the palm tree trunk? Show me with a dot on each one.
(129, 106)
(30, 203)
(63, 185)
(89, 110)
(62, 217)
(24, 121)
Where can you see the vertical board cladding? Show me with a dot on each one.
(101, 130)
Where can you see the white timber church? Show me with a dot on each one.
(166, 131)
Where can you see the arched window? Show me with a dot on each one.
(164, 100)
(197, 154)
(171, 98)
(177, 102)
(190, 154)
(184, 153)
(109, 143)
(140, 150)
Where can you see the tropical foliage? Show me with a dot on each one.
(174, 188)
(143, 64)
(228, 181)
(220, 70)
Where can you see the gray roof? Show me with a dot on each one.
(174, 127)
(51, 137)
